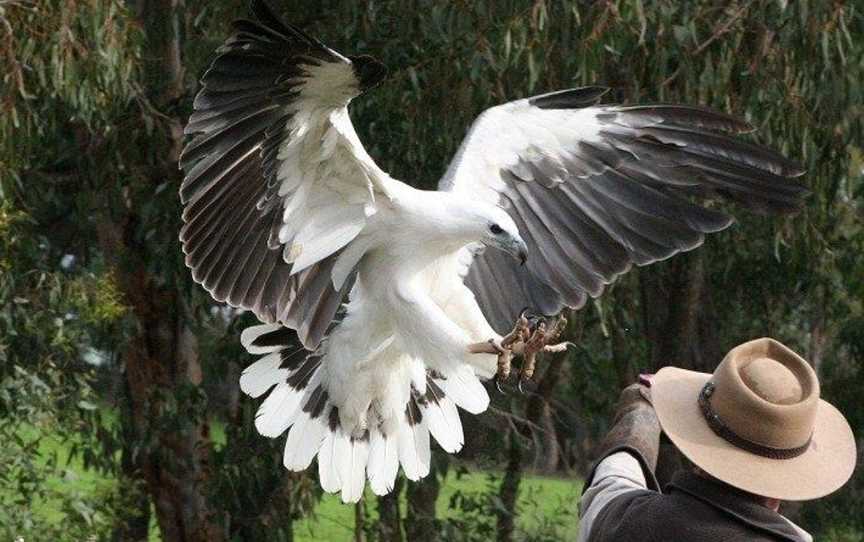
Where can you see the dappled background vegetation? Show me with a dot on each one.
(120, 417)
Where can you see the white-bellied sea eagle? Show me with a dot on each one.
(394, 293)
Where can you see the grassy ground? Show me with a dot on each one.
(542, 500)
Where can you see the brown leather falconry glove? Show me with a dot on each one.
(635, 429)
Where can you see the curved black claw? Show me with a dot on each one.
(498, 385)
(526, 385)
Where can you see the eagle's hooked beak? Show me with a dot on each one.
(518, 249)
(511, 244)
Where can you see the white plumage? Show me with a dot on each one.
(288, 216)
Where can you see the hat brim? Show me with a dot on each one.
(826, 465)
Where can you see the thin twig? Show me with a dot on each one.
(724, 28)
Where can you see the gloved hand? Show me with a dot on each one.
(635, 425)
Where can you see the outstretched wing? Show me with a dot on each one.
(276, 181)
(597, 188)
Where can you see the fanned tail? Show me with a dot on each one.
(298, 400)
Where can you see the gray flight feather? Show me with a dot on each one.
(617, 191)
(232, 207)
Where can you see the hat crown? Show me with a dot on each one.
(767, 394)
(772, 381)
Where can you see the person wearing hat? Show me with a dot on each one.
(756, 433)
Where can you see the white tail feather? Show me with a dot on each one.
(383, 463)
(465, 389)
(251, 333)
(445, 425)
(353, 469)
(278, 411)
(328, 475)
(262, 375)
(414, 452)
(316, 428)
(304, 441)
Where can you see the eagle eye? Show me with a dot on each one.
(496, 229)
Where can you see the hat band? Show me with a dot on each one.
(723, 431)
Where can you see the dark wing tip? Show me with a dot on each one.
(799, 195)
(265, 15)
(688, 116)
(369, 70)
(574, 98)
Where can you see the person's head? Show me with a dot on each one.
(757, 424)
(767, 502)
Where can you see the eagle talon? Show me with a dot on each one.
(560, 347)
(498, 385)
(542, 334)
(526, 340)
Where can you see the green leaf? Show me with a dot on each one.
(87, 405)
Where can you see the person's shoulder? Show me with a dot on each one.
(630, 516)
(649, 516)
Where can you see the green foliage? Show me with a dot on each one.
(62, 65)
(46, 496)
(546, 509)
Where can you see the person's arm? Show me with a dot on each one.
(627, 458)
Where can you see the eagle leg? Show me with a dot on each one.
(503, 348)
(539, 342)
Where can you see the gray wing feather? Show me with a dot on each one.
(617, 193)
(232, 209)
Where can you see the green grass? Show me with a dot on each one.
(72, 481)
(541, 499)
(54, 487)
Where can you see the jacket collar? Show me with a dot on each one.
(737, 504)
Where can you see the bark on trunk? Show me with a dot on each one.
(818, 333)
(134, 523)
(163, 370)
(420, 519)
(389, 520)
(672, 317)
(677, 338)
(360, 521)
(551, 456)
(538, 406)
(509, 490)
(276, 512)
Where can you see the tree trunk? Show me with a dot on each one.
(671, 316)
(134, 523)
(710, 346)
(818, 333)
(677, 338)
(509, 490)
(389, 520)
(277, 503)
(551, 456)
(360, 520)
(420, 520)
(538, 405)
(163, 370)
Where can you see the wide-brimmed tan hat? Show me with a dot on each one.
(757, 423)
